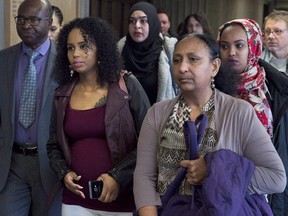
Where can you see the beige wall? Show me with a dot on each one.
(11, 7)
(68, 8)
(221, 11)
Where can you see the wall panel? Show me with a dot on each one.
(217, 12)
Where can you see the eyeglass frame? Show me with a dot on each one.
(37, 19)
(276, 32)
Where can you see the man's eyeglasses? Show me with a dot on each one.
(33, 20)
(277, 32)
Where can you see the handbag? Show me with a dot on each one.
(184, 205)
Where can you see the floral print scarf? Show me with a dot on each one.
(252, 87)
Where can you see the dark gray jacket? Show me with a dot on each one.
(277, 83)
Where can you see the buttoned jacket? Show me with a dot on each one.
(9, 58)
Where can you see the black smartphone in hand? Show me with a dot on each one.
(95, 189)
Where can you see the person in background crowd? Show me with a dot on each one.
(147, 54)
(95, 124)
(195, 23)
(56, 24)
(233, 134)
(180, 28)
(27, 180)
(276, 41)
(165, 24)
(262, 85)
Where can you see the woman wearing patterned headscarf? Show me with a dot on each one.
(261, 85)
(241, 45)
(147, 54)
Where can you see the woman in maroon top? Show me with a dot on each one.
(95, 123)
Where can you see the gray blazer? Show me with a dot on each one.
(8, 66)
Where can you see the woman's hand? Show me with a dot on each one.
(196, 170)
(69, 180)
(110, 188)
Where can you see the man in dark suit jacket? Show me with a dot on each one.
(26, 180)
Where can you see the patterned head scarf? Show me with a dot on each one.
(252, 87)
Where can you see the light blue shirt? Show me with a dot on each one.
(279, 64)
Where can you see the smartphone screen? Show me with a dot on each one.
(95, 189)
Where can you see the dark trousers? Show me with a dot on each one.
(279, 203)
(23, 193)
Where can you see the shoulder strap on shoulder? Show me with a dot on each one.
(122, 83)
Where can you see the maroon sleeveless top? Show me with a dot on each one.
(90, 155)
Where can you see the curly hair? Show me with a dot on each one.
(95, 31)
